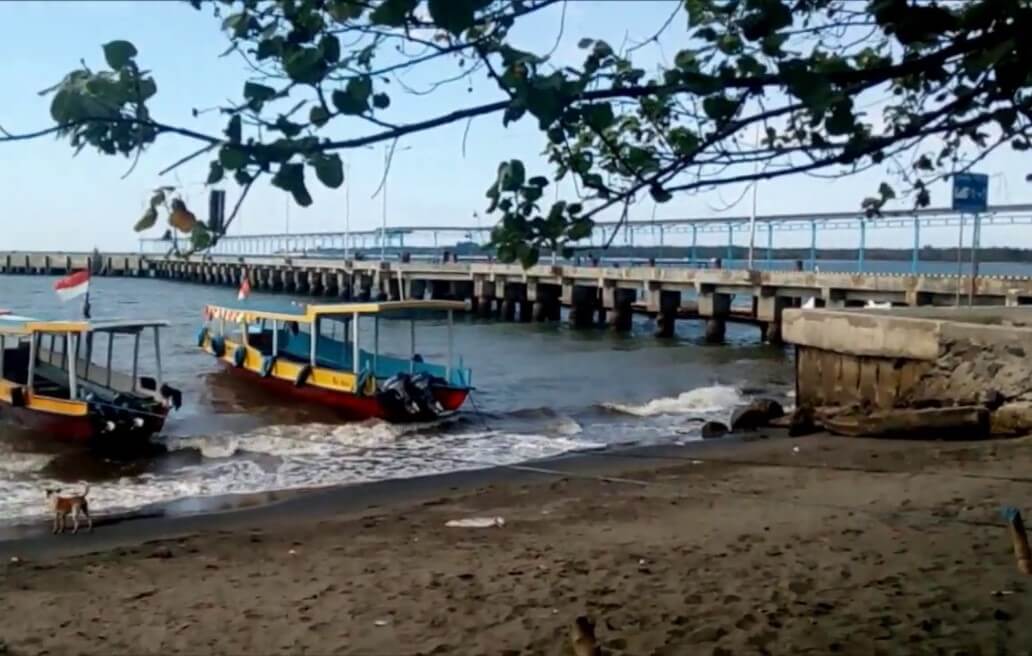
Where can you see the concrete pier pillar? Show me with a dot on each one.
(364, 288)
(416, 289)
(461, 290)
(484, 292)
(618, 304)
(769, 308)
(439, 289)
(715, 307)
(328, 281)
(665, 303)
(716, 329)
(341, 284)
(545, 301)
(582, 302)
(313, 281)
(525, 311)
(393, 287)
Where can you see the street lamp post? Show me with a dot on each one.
(387, 152)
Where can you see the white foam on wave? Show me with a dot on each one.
(702, 400)
(308, 456)
(14, 462)
(311, 439)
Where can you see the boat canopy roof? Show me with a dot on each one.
(302, 313)
(14, 324)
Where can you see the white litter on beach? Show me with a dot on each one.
(476, 522)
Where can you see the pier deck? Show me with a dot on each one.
(596, 295)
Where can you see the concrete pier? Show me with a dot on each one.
(595, 296)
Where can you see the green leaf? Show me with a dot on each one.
(288, 127)
(529, 256)
(454, 16)
(215, 173)
(305, 65)
(330, 47)
(329, 169)
(511, 175)
(580, 229)
(886, 192)
(538, 181)
(345, 10)
(354, 99)
(119, 53)
(271, 47)
(291, 177)
(719, 108)
(598, 115)
(393, 12)
(147, 88)
(381, 100)
(231, 158)
(200, 238)
(258, 92)
(233, 129)
(841, 120)
(585, 43)
(147, 221)
(319, 116)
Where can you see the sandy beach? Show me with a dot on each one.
(773, 546)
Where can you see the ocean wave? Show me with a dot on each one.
(14, 462)
(702, 400)
(305, 458)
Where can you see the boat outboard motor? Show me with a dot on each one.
(171, 396)
(396, 394)
(422, 392)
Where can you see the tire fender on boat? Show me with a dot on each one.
(218, 346)
(17, 396)
(268, 362)
(202, 335)
(302, 376)
(239, 355)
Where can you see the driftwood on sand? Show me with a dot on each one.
(962, 422)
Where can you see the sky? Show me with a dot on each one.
(54, 201)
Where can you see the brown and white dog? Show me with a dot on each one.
(73, 505)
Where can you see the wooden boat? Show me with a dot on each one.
(44, 390)
(274, 347)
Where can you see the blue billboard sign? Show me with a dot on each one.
(970, 192)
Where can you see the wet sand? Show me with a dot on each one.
(779, 546)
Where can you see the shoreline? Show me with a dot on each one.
(780, 545)
(191, 514)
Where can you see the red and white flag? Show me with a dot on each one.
(73, 285)
(245, 289)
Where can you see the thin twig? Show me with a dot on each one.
(184, 160)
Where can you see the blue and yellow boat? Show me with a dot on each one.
(314, 353)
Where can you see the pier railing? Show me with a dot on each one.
(670, 241)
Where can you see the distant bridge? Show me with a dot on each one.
(658, 232)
